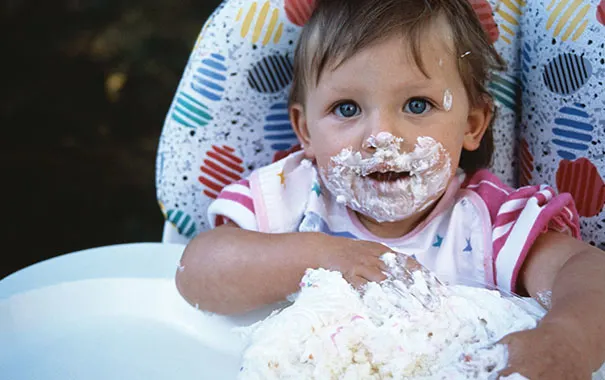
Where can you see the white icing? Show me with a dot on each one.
(429, 167)
(544, 297)
(334, 332)
(448, 100)
(404, 272)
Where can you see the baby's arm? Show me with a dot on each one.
(575, 271)
(569, 342)
(230, 270)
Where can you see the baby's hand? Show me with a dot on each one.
(550, 351)
(358, 260)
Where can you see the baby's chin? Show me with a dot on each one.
(393, 207)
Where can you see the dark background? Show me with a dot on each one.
(85, 88)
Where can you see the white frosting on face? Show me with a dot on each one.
(429, 166)
(448, 100)
(334, 332)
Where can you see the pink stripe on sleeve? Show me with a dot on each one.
(553, 212)
(542, 212)
(489, 187)
(518, 217)
(234, 203)
(244, 182)
(243, 199)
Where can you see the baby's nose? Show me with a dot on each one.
(382, 140)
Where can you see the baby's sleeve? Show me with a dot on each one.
(518, 217)
(525, 214)
(234, 203)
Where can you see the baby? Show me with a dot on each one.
(390, 106)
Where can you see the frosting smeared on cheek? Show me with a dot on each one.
(390, 185)
(448, 100)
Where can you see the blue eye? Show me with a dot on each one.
(347, 110)
(417, 106)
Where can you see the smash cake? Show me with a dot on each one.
(406, 327)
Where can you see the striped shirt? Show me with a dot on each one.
(480, 230)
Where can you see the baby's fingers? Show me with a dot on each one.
(362, 275)
(372, 273)
(357, 282)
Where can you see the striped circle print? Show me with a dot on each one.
(278, 130)
(209, 81)
(484, 12)
(506, 90)
(190, 112)
(581, 179)
(183, 222)
(566, 73)
(510, 13)
(263, 26)
(299, 11)
(526, 63)
(572, 131)
(272, 74)
(220, 168)
(527, 164)
(567, 18)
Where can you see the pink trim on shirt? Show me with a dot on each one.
(488, 259)
(242, 199)
(553, 211)
(506, 206)
(259, 204)
(489, 188)
(507, 219)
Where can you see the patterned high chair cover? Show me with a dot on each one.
(229, 115)
(562, 131)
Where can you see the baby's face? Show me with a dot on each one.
(387, 139)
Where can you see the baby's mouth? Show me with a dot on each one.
(390, 176)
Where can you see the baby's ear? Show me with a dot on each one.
(299, 125)
(479, 119)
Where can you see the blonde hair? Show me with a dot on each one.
(338, 29)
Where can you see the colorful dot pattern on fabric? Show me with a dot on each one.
(566, 73)
(572, 132)
(484, 12)
(563, 118)
(581, 179)
(220, 168)
(601, 12)
(527, 164)
(233, 94)
(299, 11)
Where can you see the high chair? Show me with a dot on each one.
(229, 114)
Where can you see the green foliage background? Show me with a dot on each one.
(85, 88)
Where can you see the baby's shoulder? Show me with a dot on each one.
(486, 190)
